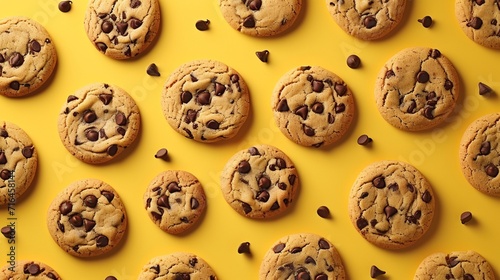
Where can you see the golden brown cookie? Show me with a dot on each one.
(480, 21)
(177, 265)
(28, 270)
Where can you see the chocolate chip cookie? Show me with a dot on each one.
(480, 21)
(27, 56)
(466, 265)
(122, 29)
(98, 122)
(175, 201)
(205, 100)
(417, 89)
(391, 204)
(302, 256)
(367, 20)
(480, 154)
(87, 218)
(312, 106)
(18, 162)
(29, 270)
(260, 18)
(179, 265)
(260, 182)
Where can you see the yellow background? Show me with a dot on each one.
(326, 174)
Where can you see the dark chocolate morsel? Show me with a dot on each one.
(323, 212)
(451, 261)
(302, 111)
(163, 201)
(112, 150)
(379, 182)
(202, 25)
(89, 116)
(317, 86)
(448, 85)
(435, 53)
(423, 77)
(7, 231)
(253, 151)
(426, 196)
(162, 153)
(90, 201)
(32, 269)
(465, 217)
(364, 140)
(64, 6)
(92, 135)
(341, 89)
(71, 98)
(135, 3)
(120, 118)
(353, 61)
(28, 151)
(135, 23)
(428, 112)
(101, 46)
(3, 158)
(66, 207)
(376, 272)
(16, 59)
(318, 108)
(203, 98)
(246, 207)
(249, 22)
(370, 22)
(254, 5)
(491, 170)
(361, 223)
(390, 211)
(186, 96)
(262, 55)
(278, 248)
(485, 148)
(122, 27)
(105, 98)
(323, 244)
(264, 182)
(108, 195)
(102, 241)
(35, 46)
(106, 26)
(213, 124)
(244, 248)
(15, 85)
(244, 167)
(263, 196)
(152, 70)
(339, 108)
(283, 106)
(194, 203)
(76, 220)
(219, 89)
(475, 23)
(426, 21)
(484, 89)
(173, 187)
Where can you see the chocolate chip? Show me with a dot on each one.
(262, 196)
(186, 97)
(112, 150)
(202, 25)
(302, 111)
(152, 70)
(426, 21)
(340, 89)
(135, 23)
(364, 140)
(475, 23)
(323, 212)
(203, 98)
(291, 179)
(353, 61)
(134, 4)
(102, 241)
(64, 6)
(107, 26)
(339, 108)
(7, 232)
(283, 106)
(76, 220)
(361, 223)
(89, 116)
(105, 98)
(122, 27)
(465, 217)
(244, 248)
(90, 201)
(376, 272)
(92, 135)
(262, 55)
(249, 22)
(485, 148)
(16, 59)
(254, 5)
(101, 46)
(370, 22)
(479, 2)
(28, 151)
(2, 58)
(278, 248)
(435, 53)
(331, 118)
(32, 269)
(110, 278)
(162, 153)
(194, 203)
(246, 207)
(491, 170)
(156, 216)
(323, 244)
(264, 182)
(244, 167)
(321, 276)
(35, 46)
(88, 225)
(65, 207)
(102, 133)
(3, 158)
(276, 205)
(128, 51)
(219, 89)
(448, 85)
(317, 86)
(379, 182)
(318, 108)
(253, 151)
(426, 196)
(451, 261)
(5, 174)
(15, 85)
(422, 77)
(173, 187)
(163, 201)
(120, 119)
(303, 275)
(428, 112)
(484, 89)
(190, 116)
(468, 276)
(213, 124)
(390, 211)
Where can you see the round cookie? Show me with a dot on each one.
(260, 18)
(367, 20)
(480, 21)
(98, 122)
(18, 162)
(417, 89)
(312, 106)
(467, 265)
(480, 154)
(391, 204)
(122, 29)
(27, 56)
(259, 182)
(175, 200)
(205, 100)
(29, 270)
(87, 218)
(177, 265)
(302, 256)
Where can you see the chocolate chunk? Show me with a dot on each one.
(422, 77)
(244, 167)
(263, 196)
(152, 70)
(120, 119)
(475, 23)
(484, 89)
(262, 55)
(302, 111)
(88, 225)
(16, 59)
(76, 220)
(361, 223)
(283, 106)
(32, 269)
(134, 4)
(364, 140)
(71, 98)
(317, 86)
(219, 89)
(426, 196)
(323, 212)
(323, 244)
(28, 151)
(122, 27)
(15, 85)
(465, 217)
(128, 51)
(203, 98)
(35, 46)
(121, 131)
(485, 148)
(254, 5)
(249, 22)
(112, 150)
(101, 46)
(135, 23)
(102, 133)
(162, 153)
(202, 25)
(89, 116)
(64, 6)
(244, 248)
(213, 124)
(376, 272)
(278, 248)
(2, 58)
(491, 170)
(66, 207)
(163, 201)
(276, 205)
(379, 182)
(390, 211)
(102, 241)
(92, 135)
(90, 201)
(353, 61)
(7, 231)
(186, 97)
(370, 22)
(5, 174)
(426, 21)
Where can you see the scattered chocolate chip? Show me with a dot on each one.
(152, 70)
(16, 59)
(341, 89)
(5, 174)
(253, 151)
(163, 201)
(370, 22)
(246, 207)
(353, 61)
(71, 98)
(422, 77)
(194, 203)
(302, 111)
(105, 98)
(7, 231)
(278, 248)
(323, 212)
(435, 53)
(491, 170)
(244, 248)
(202, 25)
(364, 140)
(112, 150)
(2, 58)
(339, 108)
(465, 217)
(479, 2)
(110, 278)
(254, 5)
(317, 86)
(318, 108)
(65, 6)
(219, 89)
(448, 85)
(162, 154)
(102, 241)
(484, 89)
(264, 182)
(428, 112)
(376, 272)
(92, 135)
(468, 276)
(426, 21)
(35, 46)
(122, 27)
(323, 244)
(135, 23)
(249, 22)
(309, 131)
(475, 23)
(262, 55)
(28, 151)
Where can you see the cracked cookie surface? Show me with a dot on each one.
(466, 265)
(260, 18)
(367, 20)
(417, 89)
(27, 56)
(29, 270)
(98, 122)
(480, 21)
(391, 204)
(302, 256)
(175, 201)
(122, 29)
(87, 218)
(179, 265)
(260, 182)
(480, 154)
(205, 100)
(312, 106)
(18, 162)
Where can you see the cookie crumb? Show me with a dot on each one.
(162, 154)
(65, 6)
(364, 140)
(465, 217)
(153, 70)
(202, 25)
(376, 272)
(353, 61)
(263, 55)
(244, 248)
(484, 89)
(323, 212)
(426, 21)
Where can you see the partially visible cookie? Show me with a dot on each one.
(18, 162)
(27, 56)
(122, 29)
(260, 182)
(302, 256)
(175, 201)
(98, 122)
(480, 21)
(28, 270)
(312, 106)
(205, 100)
(466, 265)
(417, 89)
(367, 20)
(391, 204)
(177, 265)
(87, 218)
(260, 17)
(480, 154)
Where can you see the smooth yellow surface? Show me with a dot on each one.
(326, 174)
